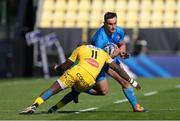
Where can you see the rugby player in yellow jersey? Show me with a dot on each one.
(81, 76)
(113, 50)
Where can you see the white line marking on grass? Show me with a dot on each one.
(86, 110)
(178, 86)
(121, 101)
(150, 93)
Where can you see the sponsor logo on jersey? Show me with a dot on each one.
(81, 79)
(92, 62)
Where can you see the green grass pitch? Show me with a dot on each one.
(160, 96)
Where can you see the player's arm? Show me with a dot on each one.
(124, 75)
(68, 63)
(63, 67)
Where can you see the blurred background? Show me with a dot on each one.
(152, 33)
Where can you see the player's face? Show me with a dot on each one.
(110, 25)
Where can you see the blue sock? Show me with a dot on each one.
(129, 93)
(46, 94)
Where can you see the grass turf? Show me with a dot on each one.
(17, 94)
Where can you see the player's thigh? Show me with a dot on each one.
(101, 82)
(66, 80)
(102, 86)
(84, 81)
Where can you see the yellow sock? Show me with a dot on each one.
(60, 105)
(38, 101)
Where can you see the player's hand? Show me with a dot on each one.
(116, 52)
(54, 68)
(124, 55)
(138, 87)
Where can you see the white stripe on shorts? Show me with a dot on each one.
(61, 84)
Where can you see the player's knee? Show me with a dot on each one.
(102, 87)
(103, 91)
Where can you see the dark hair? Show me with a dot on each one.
(109, 15)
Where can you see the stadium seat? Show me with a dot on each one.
(48, 5)
(69, 24)
(46, 19)
(169, 13)
(156, 19)
(144, 24)
(109, 5)
(177, 24)
(82, 24)
(146, 5)
(60, 5)
(133, 5)
(168, 24)
(45, 24)
(70, 18)
(58, 19)
(121, 18)
(132, 17)
(178, 5)
(89, 13)
(95, 24)
(132, 14)
(57, 24)
(58, 15)
(170, 5)
(144, 19)
(169, 19)
(83, 17)
(177, 19)
(84, 5)
(131, 24)
(121, 5)
(72, 5)
(158, 5)
(95, 19)
(96, 16)
(97, 5)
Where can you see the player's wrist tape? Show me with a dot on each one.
(133, 82)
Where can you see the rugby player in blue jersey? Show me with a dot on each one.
(108, 33)
(111, 33)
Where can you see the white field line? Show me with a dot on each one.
(118, 101)
(150, 93)
(121, 101)
(178, 86)
(88, 109)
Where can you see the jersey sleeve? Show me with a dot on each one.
(74, 55)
